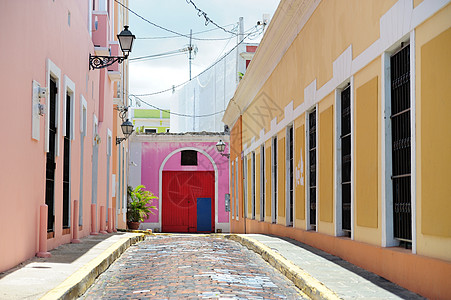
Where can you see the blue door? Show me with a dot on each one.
(204, 214)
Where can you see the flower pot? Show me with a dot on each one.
(133, 225)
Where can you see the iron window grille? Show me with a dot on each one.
(346, 160)
(401, 144)
(312, 167)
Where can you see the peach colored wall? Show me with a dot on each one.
(35, 33)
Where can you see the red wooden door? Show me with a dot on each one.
(179, 200)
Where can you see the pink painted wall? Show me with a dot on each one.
(36, 32)
(154, 153)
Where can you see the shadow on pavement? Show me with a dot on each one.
(63, 254)
(374, 278)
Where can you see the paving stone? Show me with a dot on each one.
(193, 267)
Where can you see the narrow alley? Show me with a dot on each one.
(191, 266)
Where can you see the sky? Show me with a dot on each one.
(157, 74)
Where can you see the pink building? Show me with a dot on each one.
(60, 128)
(188, 175)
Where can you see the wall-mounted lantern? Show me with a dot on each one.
(126, 39)
(220, 147)
(126, 126)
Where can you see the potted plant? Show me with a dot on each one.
(139, 205)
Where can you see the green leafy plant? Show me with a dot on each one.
(139, 203)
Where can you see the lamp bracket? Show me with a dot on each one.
(119, 140)
(100, 62)
(122, 111)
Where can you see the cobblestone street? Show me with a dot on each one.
(190, 266)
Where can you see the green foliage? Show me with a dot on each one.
(139, 203)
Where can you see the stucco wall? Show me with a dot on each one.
(351, 43)
(152, 154)
(47, 39)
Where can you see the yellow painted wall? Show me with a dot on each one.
(433, 90)
(257, 184)
(326, 165)
(363, 233)
(281, 178)
(300, 171)
(366, 154)
(268, 181)
(311, 57)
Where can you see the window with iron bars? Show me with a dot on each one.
(312, 166)
(401, 144)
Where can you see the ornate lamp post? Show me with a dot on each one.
(126, 39)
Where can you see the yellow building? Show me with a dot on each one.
(340, 136)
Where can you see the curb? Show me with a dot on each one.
(76, 284)
(145, 232)
(304, 281)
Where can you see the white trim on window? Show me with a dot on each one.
(274, 169)
(413, 146)
(253, 191)
(95, 128)
(52, 71)
(307, 163)
(109, 144)
(83, 116)
(69, 88)
(388, 239)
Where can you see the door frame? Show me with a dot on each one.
(160, 182)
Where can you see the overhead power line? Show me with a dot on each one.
(201, 13)
(152, 57)
(183, 83)
(175, 113)
(161, 27)
(178, 51)
(194, 33)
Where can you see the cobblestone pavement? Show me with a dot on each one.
(190, 266)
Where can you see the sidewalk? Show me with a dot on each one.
(318, 274)
(74, 267)
(69, 272)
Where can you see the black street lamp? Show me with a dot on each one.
(220, 146)
(126, 39)
(126, 126)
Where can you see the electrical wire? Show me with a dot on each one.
(151, 57)
(175, 113)
(163, 28)
(197, 39)
(201, 13)
(194, 33)
(183, 83)
(220, 53)
(160, 54)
